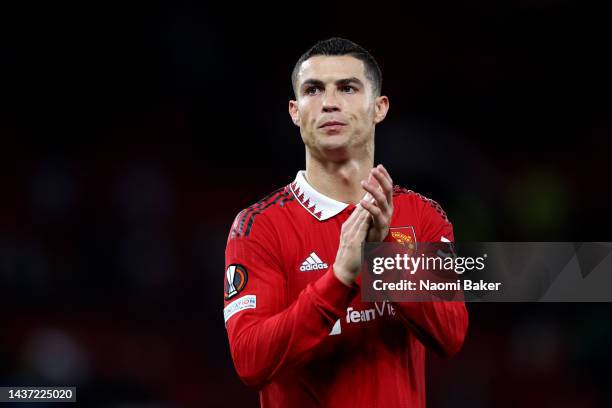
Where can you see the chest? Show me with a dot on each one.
(310, 246)
(309, 249)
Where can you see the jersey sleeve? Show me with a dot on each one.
(441, 326)
(266, 333)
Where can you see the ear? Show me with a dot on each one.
(294, 112)
(381, 107)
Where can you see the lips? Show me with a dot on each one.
(332, 123)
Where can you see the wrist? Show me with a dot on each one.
(343, 276)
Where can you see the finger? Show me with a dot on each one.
(363, 226)
(371, 178)
(383, 178)
(358, 210)
(353, 232)
(370, 186)
(385, 172)
(368, 196)
(354, 218)
(363, 217)
(379, 196)
(351, 220)
(375, 212)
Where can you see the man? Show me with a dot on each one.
(297, 328)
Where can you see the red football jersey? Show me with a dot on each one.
(305, 339)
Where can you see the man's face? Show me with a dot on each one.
(335, 107)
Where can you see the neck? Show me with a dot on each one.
(339, 180)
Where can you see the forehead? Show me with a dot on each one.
(331, 68)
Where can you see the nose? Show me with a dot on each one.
(330, 103)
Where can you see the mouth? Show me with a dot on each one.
(332, 123)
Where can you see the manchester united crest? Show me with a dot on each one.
(405, 236)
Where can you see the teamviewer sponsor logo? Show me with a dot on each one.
(312, 263)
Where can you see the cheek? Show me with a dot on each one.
(306, 113)
(364, 116)
(362, 109)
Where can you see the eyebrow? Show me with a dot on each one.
(339, 82)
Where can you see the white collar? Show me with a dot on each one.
(318, 205)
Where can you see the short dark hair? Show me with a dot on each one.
(342, 46)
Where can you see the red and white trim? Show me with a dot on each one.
(318, 205)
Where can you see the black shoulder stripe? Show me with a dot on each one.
(282, 195)
(247, 216)
(289, 197)
(251, 208)
(234, 230)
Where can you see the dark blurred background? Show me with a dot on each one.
(131, 134)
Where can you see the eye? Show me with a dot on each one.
(312, 90)
(348, 89)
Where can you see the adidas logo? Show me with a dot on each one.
(313, 263)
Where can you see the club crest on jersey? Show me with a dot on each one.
(405, 236)
(235, 280)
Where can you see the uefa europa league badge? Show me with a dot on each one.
(235, 280)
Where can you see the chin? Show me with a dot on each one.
(335, 142)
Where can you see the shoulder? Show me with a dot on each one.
(260, 216)
(418, 202)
